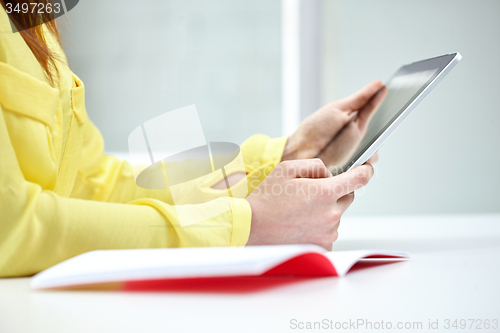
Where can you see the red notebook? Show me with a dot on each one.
(205, 269)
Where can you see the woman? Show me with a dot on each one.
(61, 196)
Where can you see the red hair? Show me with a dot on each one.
(30, 27)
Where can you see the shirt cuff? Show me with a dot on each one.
(242, 220)
(274, 150)
(273, 153)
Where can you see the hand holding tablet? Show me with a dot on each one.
(387, 109)
(308, 202)
(344, 144)
(346, 133)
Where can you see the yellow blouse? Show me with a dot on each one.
(61, 196)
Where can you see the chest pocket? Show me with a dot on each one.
(74, 144)
(29, 107)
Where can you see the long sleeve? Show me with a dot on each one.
(60, 196)
(38, 228)
(106, 178)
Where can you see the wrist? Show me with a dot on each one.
(253, 238)
(291, 149)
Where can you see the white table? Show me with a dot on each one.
(454, 273)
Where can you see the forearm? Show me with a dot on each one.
(40, 229)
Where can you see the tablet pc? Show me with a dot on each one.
(406, 88)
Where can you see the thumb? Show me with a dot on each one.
(357, 100)
(353, 116)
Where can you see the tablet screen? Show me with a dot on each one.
(402, 89)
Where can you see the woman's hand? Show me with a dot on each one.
(338, 152)
(301, 202)
(314, 136)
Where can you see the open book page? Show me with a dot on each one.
(120, 265)
(344, 260)
(183, 263)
